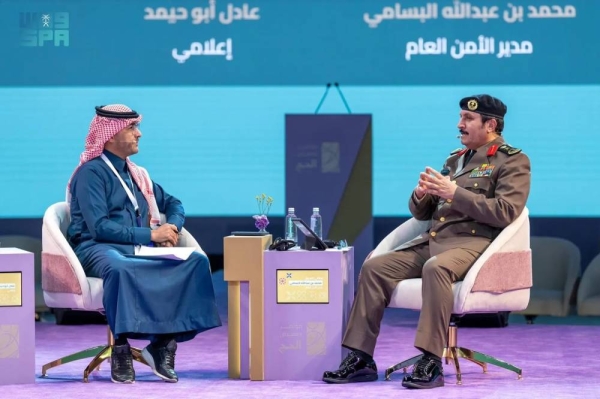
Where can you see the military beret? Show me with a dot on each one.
(484, 104)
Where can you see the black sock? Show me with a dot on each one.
(364, 356)
(162, 340)
(121, 341)
(431, 356)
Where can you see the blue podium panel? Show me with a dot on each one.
(329, 165)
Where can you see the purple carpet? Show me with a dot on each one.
(558, 361)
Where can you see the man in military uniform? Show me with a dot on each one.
(480, 190)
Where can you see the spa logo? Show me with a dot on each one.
(44, 29)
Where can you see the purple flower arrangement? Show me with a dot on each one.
(261, 222)
(264, 202)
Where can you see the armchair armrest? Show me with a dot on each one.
(573, 273)
(513, 244)
(185, 238)
(58, 254)
(590, 281)
(408, 230)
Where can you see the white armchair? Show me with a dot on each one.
(500, 280)
(588, 295)
(65, 284)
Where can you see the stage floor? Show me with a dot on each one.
(557, 356)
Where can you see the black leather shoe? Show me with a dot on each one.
(162, 360)
(427, 373)
(352, 369)
(352, 356)
(121, 365)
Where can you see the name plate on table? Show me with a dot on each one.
(10, 289)
(302, 286)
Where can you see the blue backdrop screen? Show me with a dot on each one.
(214, 80)
(268, 42)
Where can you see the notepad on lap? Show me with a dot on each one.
(174, 253)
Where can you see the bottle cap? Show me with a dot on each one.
(291, 209)
(315, 209)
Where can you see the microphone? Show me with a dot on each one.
(337, 86)
(445, 172)
(458, 136)
(323, 98)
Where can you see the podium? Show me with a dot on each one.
(17, 317)
(287, 309)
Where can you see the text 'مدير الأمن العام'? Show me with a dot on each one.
(482, 46)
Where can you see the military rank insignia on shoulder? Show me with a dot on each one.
(509, 150)
(458, 151)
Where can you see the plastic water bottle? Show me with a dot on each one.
(291, 231)
(316, 223)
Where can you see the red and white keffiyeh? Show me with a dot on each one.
(103, 129)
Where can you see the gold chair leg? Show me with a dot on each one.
(447, 355)
(91, 352)
(98, 353)
(464, 355)
(478, 357)
(137, 356)
(456, 365)
(452, 352)
(95, 363)
(403, 365)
